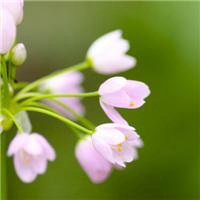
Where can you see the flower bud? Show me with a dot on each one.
(5, 123)
(19, 54)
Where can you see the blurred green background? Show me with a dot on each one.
(164, 37)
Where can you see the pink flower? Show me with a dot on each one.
(96, 167)
(31, 153)
(7, 31)
(117, 143)
(15, 7)
(121, 93)
(68, 83)
(108, 54)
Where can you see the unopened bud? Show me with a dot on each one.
(19, 54)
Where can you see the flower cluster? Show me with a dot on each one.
(99, 149)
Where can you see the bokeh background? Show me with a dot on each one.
(164, 37)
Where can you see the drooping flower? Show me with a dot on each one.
(96, 167)
(117, 143)
(31, 154)
(121, 93)
(19, 54)
(7, 31)
(108, 54)
(66, 83)
(15, 7)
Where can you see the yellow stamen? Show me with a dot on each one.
(119, 149)
(126, 137)
(132, 104)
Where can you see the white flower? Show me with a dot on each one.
(7, 31)
(108, 54)
(31, 153)
(117, 143)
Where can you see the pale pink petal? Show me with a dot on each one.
(15, 7)
(128, 153)
(7, 31)
(24, 172)
(113, 114)
(137, 142)
(112, 64)
(112, 85)
(17, 143)
(96, 167)
(118, 160)
(137, 89)
(110, 135)
(39, 164)
(47, 148)
(123, 127)
(32, 146)
(103, 43)
(103, 148)
(120, 47)
(118, 99)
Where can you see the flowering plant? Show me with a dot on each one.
(99, 149)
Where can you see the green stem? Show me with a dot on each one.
(11, 116)
(80, 118)
(3, 188)
(5, 93)
(40, 105)
(52, 96)
(57, 116)
(38, 96)
(19, 85)
(39, 81)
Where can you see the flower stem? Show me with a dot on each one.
(11, 116)
(3, 181)
(5, 92)
(61, 118)
(79, 117)
(39, 81)
(51, 96)
(38, 96)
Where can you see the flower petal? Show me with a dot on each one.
(137, 89)
(103, 148)
(118, 99)
(124, 127)
(47, 148)
(32, 146)
(24, 172)
(7, 31)
(113, 114)
(96, 167)
(39, 165)
(17, 143)
(112, 64)
(110, 135)
(103, 43)
(112, 85)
